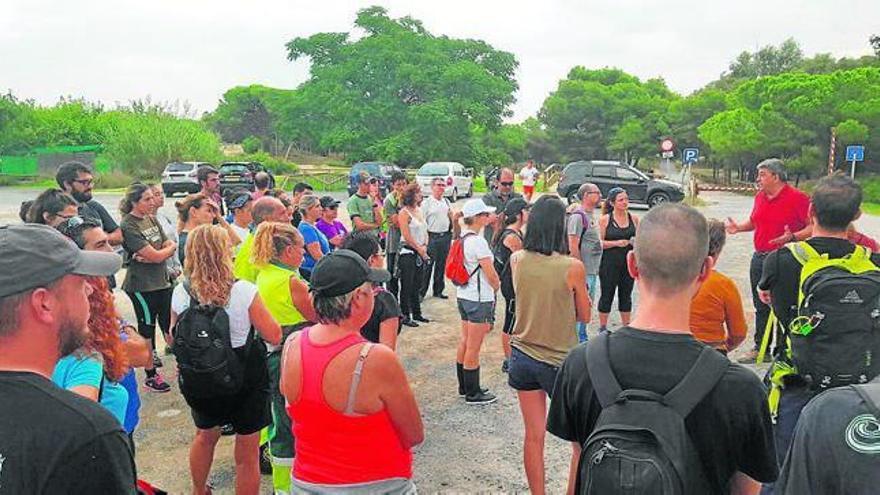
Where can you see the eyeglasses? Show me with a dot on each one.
(85, 182)
(507, 184)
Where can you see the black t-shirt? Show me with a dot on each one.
(782, 274)
(385, 307)
(835, 450)
(730, 427)
(96, 211)
(53, 441)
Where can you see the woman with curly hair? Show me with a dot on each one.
(413, 254)
(208, 269)
(199, 209)
(278, 251)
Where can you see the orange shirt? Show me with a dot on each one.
(718, 303)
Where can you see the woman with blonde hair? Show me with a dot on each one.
(199, 209)
(208, 269)
(278, 251)
(316, 243)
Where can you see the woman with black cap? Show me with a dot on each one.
(617, 229)
(506, 242)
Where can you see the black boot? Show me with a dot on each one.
(475, 394)
(459, 372)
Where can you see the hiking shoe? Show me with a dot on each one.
(156, 384)
(409, 322)
(482, 397)
(749, 358)
(157, 362)
(421, 319)
(227, 430)
(505, 366)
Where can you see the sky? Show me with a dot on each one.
(192, 51)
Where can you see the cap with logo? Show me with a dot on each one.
(33, 256)
(343, 271)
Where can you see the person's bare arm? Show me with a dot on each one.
(388, 332)
(742, 484)
(314, 249)
(288, 382)
(263, 322)
(115, 237)
(513, 242)
(87, 391)
(149, 254)
(456, 225)
(733, 227)
(574, 246)
(360, 224)
(488, 267)
(137, 350)
(404, 218)
(577, 281)
(233, 236)
(398, 397)
(573, 468)
(299, 293)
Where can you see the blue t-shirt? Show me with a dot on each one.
(73, 371)
(311, 234)
(129, 382)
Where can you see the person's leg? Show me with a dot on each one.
(145, 325)
(407, 273)
(624, 296)
(791, 402)
(533, 405)
(476, 332)
(509, 322)
(247, 464)
(201, 455)
(416, 295)
(281, 440)
(608, 280)
(439, 260)
(394, 283)
(161, 307)
(762, 311)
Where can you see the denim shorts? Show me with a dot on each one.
(528, 374)
(476, 312)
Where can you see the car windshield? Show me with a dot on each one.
(434, 169)
(370, 168)
(233, 169)
(179, 167)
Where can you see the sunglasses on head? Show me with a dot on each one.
(508, 184)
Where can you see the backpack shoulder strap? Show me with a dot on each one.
(870, 393)
(803, 252)
(698, 382)
(601, 375)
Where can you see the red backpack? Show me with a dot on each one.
(455, 271)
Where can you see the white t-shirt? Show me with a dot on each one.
(240, 300)
(436, 212)
(529, 176)
(477, 289)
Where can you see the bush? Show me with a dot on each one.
(273, 163)
(251, 144)
(871, 189)
(117, 179)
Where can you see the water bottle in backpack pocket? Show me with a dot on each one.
(639, 444)
(208, 365)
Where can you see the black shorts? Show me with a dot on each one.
(528, 374)
(248, 411)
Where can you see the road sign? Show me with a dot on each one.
(667, 154)
(855, 153)
(690, 155)
(667, 145)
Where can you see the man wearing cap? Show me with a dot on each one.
(442, 226)
(328, 223)
(365, 210)
(499, 198)
(240, 205)
(52, 440)
(583, 241)
(779, 215)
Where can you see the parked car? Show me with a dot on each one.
(607, 174)
(380, 170)
(459, 180)
(241, 174)
(181, 177)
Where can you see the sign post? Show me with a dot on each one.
(855, 153)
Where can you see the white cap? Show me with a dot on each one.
(474, 207)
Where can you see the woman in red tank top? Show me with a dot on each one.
(355, 417)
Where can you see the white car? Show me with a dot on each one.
(181, 177)
(459, 180)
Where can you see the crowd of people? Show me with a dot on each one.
(285, 323)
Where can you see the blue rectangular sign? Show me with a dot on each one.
(855, 153)
(690, 155)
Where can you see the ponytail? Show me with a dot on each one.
(133, 194)
(271, 239)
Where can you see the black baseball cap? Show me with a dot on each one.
(33, 256)
(515, 205)
(343, 271)
(328, 202)
(240, 200)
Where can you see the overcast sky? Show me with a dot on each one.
(194, 50)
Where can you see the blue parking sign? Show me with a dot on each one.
(690, 155)
(855, 153)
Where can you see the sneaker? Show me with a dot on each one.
(505, 366)
(157, 362)
(421, 319)
(409, 322)
(227, 430)
(156, 384)
(480, 398)
(749, 358)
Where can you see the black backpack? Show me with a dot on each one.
(835, 337)
(639, 444)
(208, 365)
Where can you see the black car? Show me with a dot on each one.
(379, 170)
(607, 174)
(241, 174)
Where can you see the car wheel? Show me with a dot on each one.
(454, 195)
(658, 198)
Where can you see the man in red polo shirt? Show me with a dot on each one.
(780, 214)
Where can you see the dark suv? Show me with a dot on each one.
(241, 174)
(607, 174)
(379, 170)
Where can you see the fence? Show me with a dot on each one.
(45, 161)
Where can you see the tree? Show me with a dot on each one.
(875, 44)
(767, 61)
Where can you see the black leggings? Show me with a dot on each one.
(411, 271)
(615, 277)
(509, 315)
(152, 307)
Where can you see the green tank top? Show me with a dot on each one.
(273, 284)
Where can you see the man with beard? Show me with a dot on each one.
(77, 179)
(52, 440)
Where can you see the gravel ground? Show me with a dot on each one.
(467, 449)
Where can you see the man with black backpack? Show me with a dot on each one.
(824, 293)
(649, 408)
